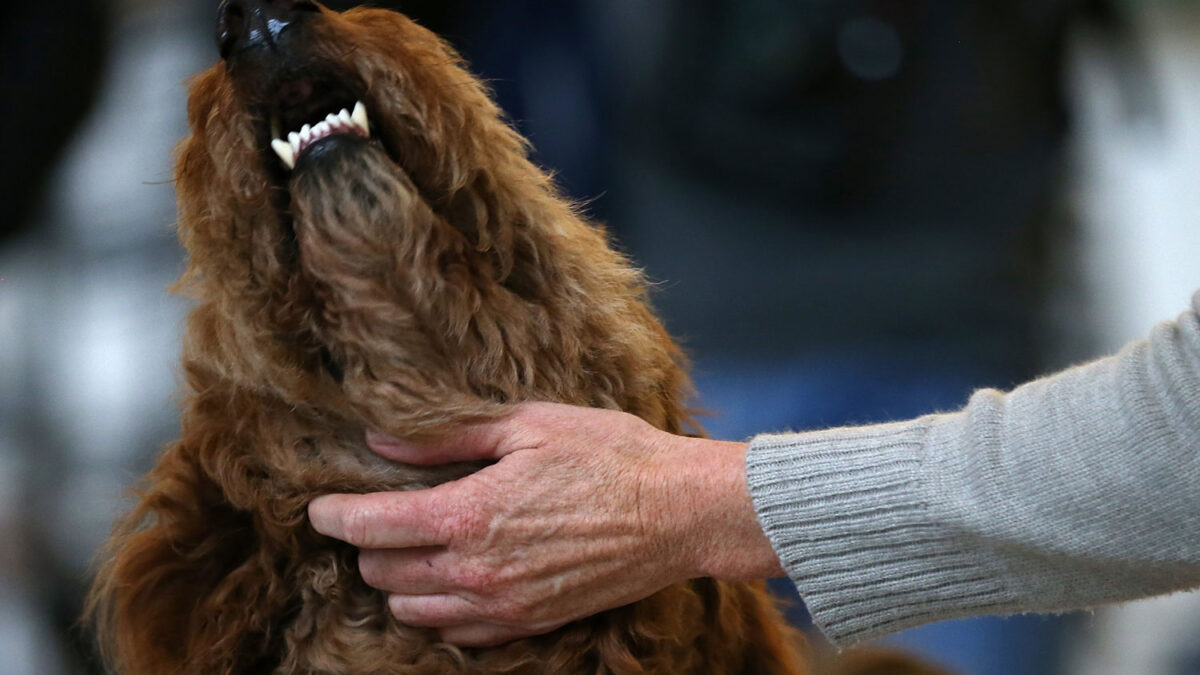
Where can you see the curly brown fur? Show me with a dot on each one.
(409, 284)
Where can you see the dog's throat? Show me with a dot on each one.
(364, 235)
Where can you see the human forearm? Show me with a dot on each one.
(1071, 491)
(847, 517)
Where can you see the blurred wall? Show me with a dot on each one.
(89, 335)
(1136, 188)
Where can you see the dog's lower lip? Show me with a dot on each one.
(341, 123)
(318, 148)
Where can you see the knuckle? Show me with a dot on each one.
(467, 522)
(356, 524)
(630, 424)
(529, 607)
(513, 611)
(528, 427)
(473, 578)
(454, 528)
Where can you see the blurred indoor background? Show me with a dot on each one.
(854, 210)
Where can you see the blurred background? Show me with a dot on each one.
(853, 210)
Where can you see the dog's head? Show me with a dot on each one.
(357, 210)
(299, 85)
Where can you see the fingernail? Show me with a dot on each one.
(389, 446)
(382, 440)
(392, 448)
(316, 514)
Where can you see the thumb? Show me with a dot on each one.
(480, 441)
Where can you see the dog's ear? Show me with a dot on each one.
(180, 588)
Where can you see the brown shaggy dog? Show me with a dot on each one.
(403, 268)
(408, 279)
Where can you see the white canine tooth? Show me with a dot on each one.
(285, 152)
(344, 117)
(331, 119)
(306, 133)
(360, 118)
(294, 139)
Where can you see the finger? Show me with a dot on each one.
(410, 571)
(484, 440)
(433, 611)
(380, 520)
(440, 451)
(484, 635)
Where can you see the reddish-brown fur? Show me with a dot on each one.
(443, 287)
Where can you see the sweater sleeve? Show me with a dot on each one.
(1075, 490)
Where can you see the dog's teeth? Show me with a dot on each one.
(360, 118)
(297, 141)
(285, 152)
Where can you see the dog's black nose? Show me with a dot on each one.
(245, 24)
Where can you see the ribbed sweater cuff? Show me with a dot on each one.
(846, 512)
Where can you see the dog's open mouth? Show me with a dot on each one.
(309, 112)
(343, 122)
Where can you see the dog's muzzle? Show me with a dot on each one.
(249, 25)
(266, 48)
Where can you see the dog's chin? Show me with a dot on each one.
(346, 180)
(347, 183)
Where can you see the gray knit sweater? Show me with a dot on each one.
(1075, 490)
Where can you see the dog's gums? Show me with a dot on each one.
(297, 142)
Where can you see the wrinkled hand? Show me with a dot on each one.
(585, 510)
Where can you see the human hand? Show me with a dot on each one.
(585, 510)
